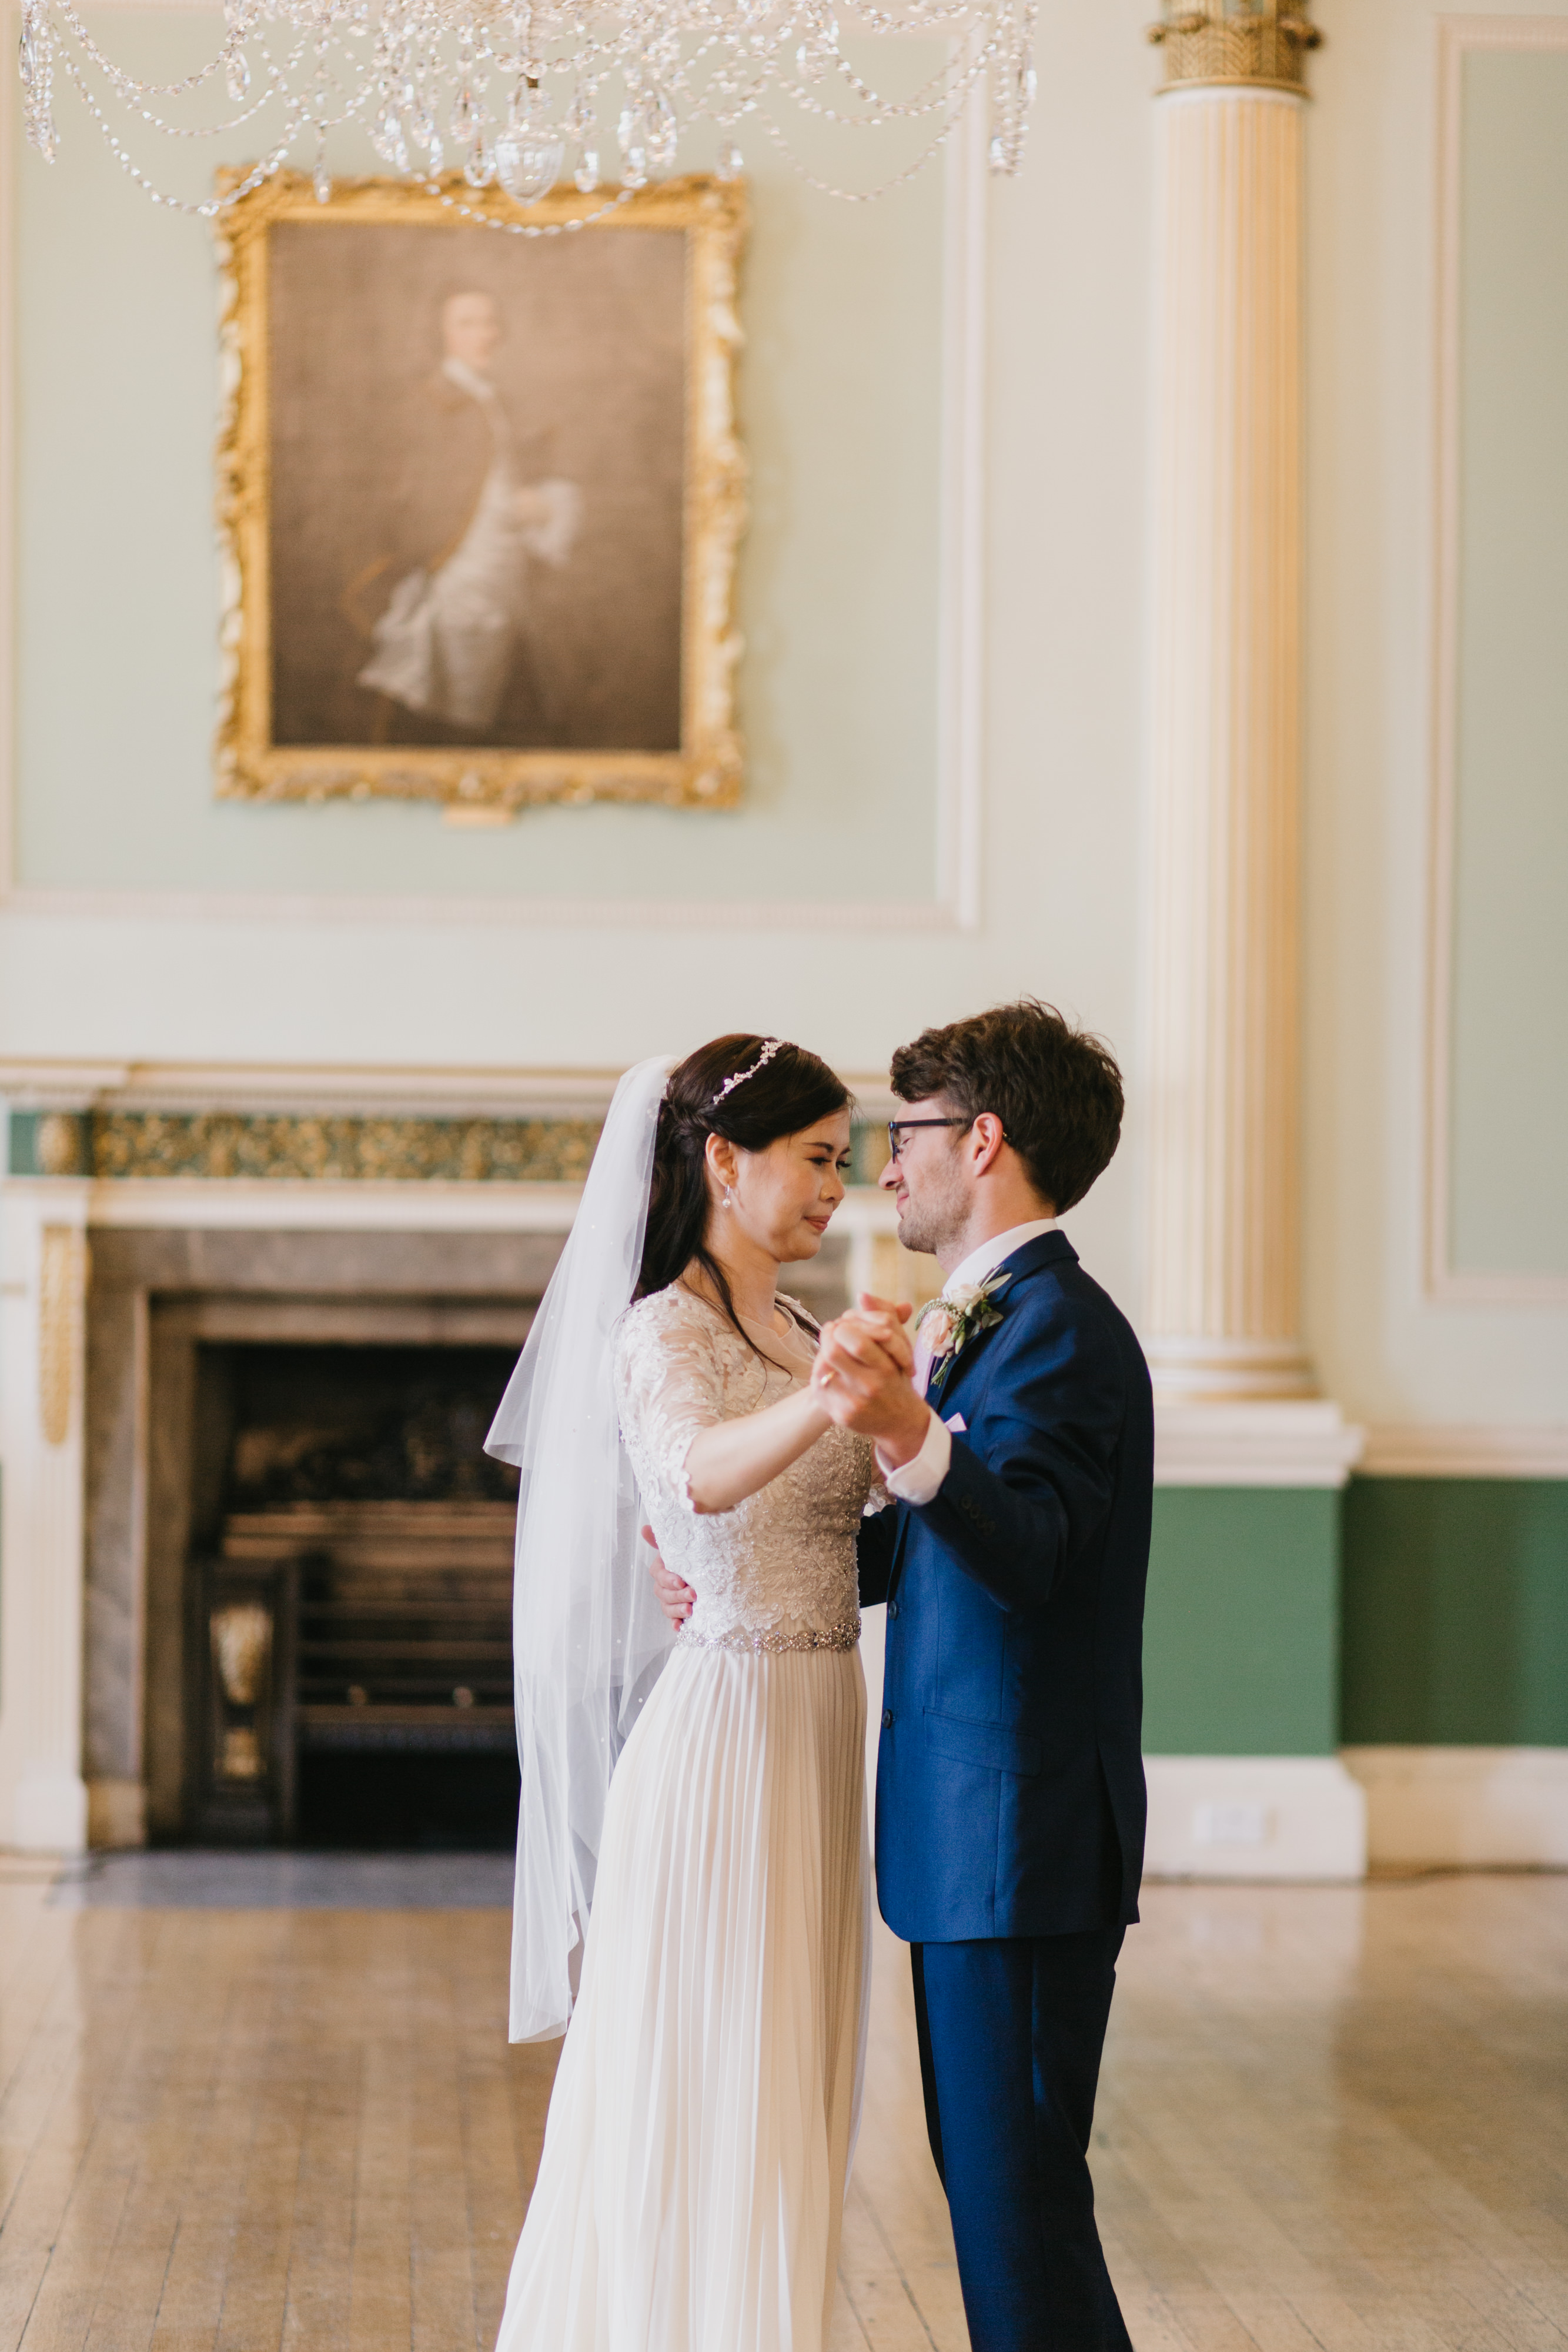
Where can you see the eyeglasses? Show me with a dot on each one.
(897, 1126)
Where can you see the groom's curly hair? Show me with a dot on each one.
(792, 1090)
(1056, 1089)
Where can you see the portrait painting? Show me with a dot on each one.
(481, 495)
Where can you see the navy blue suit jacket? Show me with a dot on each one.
(1010, 1796)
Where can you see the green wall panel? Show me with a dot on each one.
(1241, 1632)
(1456, 1612)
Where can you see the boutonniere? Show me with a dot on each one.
(950, 1322)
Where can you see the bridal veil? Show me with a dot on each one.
(588, 1635)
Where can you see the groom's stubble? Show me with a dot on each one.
(939, 1203)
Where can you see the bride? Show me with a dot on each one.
(691, 2181)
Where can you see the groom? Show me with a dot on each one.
(1011, 1802)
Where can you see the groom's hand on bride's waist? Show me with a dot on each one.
(675, 1596)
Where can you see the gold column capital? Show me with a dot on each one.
(1238, 43)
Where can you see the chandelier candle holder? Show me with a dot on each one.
(519, 100)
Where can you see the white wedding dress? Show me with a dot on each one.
(691, 2188)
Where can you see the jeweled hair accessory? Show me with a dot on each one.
(770, 1046)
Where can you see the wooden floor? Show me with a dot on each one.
(1331, 2118)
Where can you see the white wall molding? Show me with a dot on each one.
(713, 915)
(1445, 1282)
(955, 904)
(1464, 1450)
(8, 157)
(43, 1082)
(1308, 1443)
(1254, 1817)
(1302, 1441)
(1459, 1806)
(961, 690)
(362, 1089)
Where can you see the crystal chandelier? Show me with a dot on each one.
(595, 92)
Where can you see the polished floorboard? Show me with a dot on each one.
(1331, 2117)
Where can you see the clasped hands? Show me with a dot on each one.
(861, 1380)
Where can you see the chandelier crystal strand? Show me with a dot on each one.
(522, 97)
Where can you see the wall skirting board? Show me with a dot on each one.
(1305, 1817)
(1254, 1817)
(1456, 1806)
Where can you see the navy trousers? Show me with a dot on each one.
(1010, 2035)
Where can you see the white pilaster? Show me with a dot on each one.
(42, 1287)
(1224, 1316)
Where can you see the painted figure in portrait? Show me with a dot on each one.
(483, 535)
(454, 633)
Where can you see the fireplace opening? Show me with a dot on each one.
(350, 1589)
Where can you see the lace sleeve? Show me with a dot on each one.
(669, 1385)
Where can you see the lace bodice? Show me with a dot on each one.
(782, 1563)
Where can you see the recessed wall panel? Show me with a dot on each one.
(1508, 1136)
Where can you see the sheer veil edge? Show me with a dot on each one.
(588, 1636)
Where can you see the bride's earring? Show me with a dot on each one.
(727, 1202)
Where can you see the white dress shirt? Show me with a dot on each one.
(922, 1474)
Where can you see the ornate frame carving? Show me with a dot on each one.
(708, 770)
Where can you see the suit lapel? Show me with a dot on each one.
(950, 1371)
(1046, 1249)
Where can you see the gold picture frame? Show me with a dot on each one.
(697, 761)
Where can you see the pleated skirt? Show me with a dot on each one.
(690, 2192)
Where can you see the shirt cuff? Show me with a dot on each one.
(919, 1479)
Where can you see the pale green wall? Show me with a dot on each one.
(1384, 1345)
(1510, 1139)
(117, 616)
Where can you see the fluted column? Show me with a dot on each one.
(1224, 1308)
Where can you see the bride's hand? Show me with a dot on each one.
(883, 1321)
(852, 1364)
(895, 1318)
(865, 1389)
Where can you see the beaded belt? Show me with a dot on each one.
(825, 1637)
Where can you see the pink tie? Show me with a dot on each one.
(921, 1371)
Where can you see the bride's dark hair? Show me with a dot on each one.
(791, 1091)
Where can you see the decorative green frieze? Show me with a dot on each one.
(299, 1145)
(48, 1144)
(302, 1146)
